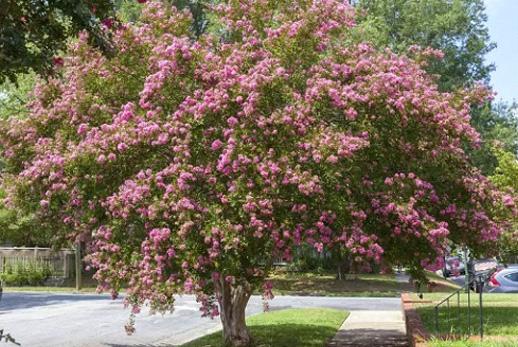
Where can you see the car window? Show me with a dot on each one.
(512, 276)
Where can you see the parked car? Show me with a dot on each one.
(504, 281)
(482, 269)
(453, 265)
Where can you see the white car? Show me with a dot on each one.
(504, 281)
(453, 266)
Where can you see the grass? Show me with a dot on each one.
(468, 343)
(49, 289)
(295, 283)
(313, 284)
(286, 328)
(309, 284)
(441, 284)
(500, 320)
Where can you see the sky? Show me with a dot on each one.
(503, 28)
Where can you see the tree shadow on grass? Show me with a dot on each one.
(499, 320)
(288, 335)
(328, 285)
(280, 335)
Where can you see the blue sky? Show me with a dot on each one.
(503, 28)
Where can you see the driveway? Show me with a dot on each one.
(89, 320)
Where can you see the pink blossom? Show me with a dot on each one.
(216, 144)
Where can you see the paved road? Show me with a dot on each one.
(81, 320)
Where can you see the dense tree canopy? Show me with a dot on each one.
(32, 32)
(456, 27)
(190, 165)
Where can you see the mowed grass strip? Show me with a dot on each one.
(295, 283)
(314, 284)
(511, 342)
(310, 284)
(500, 314)
(440, 284)
(286, 328)
(46, 289)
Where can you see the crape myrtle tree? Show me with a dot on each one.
(188, 165)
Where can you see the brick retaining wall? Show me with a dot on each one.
(417, 333)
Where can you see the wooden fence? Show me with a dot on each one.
(60, 262)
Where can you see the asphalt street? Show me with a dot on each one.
(89, 320)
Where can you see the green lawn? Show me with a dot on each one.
(286, 328)
(49, 289)
(308, 283)
(314, 284)
(299, 283)
(500, 319)
(441, 284)
(466, 343)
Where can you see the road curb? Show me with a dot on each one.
(416, 331)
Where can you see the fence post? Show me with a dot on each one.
(469, 311)
(78, 265)
(480, 290)
(64, 255)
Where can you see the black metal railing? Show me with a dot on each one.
(453, 318)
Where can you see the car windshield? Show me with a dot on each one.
(453, 260)
(512, 276)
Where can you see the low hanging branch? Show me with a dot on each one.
(7, 338)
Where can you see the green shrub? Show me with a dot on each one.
(25, 273)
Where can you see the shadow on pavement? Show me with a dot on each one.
(14, 301)
(370, 338)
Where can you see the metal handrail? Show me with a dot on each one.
(467, 287)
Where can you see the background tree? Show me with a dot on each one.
(32, 33)
(190, 165)
(498, 125)
(506, 178)
(459, 29)
(129, 11)
(14, 97)
(22, 229)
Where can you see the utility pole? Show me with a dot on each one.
(465, 257)
(78, 266)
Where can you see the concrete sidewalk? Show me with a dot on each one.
(372, 329)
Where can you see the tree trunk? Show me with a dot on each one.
(232, 302)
